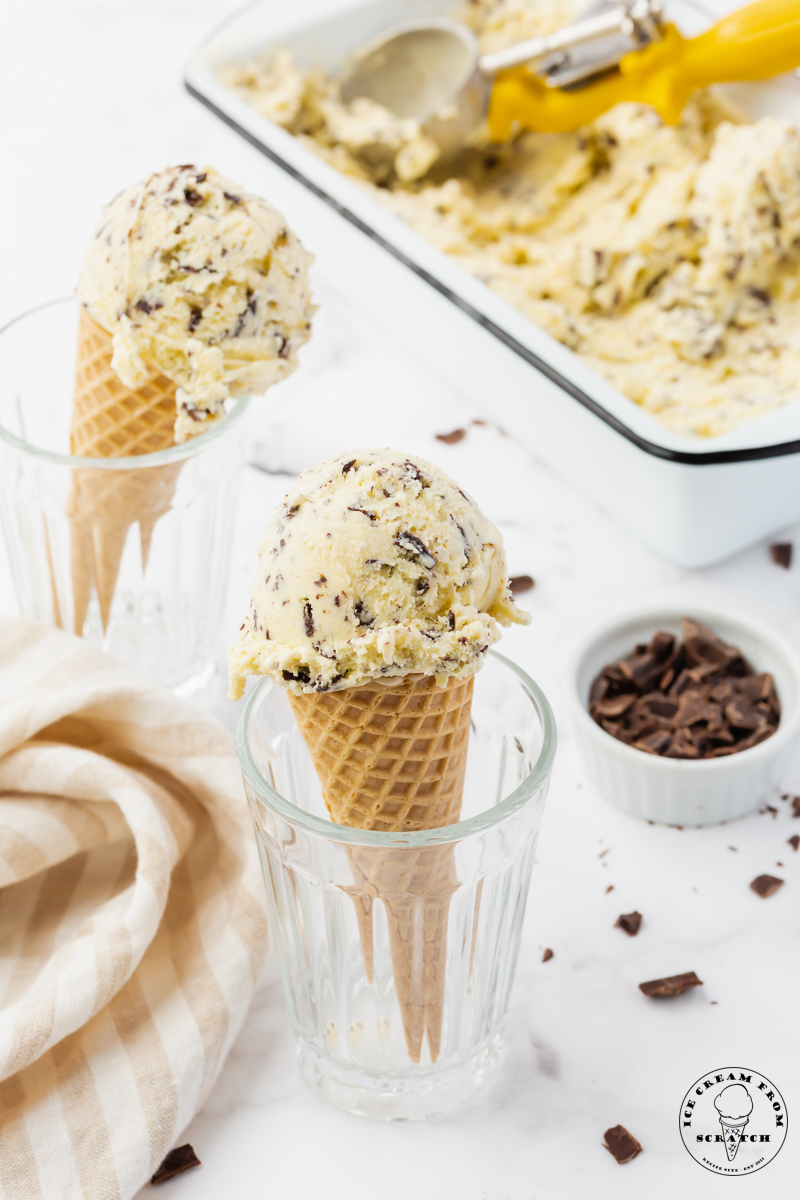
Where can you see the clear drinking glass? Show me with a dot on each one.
(156, 529)
(382, 934)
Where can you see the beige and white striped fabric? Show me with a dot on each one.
(132, 927)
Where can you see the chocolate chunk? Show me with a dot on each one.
(781, 553)
(308, 619)
(348, 466)
(192, 197)
(621, 1144)
(181, 1159)
(143, 306)
(195, 318)
(630, 922)
(414, 546)
(672, 985)
(520, 583)
(690, 700)
(301, 675)
(794, 841)
(451, 438)
(362, 616)
(766, 885)
(233, 199)
(548, 954)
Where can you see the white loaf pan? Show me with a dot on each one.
(695, 501)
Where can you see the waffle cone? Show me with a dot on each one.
(391, 756)
(110, 420)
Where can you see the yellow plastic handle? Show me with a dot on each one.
(754, 43)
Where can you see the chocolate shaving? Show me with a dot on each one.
(781, 553)
(621, 1144)
(766, 885)
(630, 922)
(520, 583)
(414, 546)
(671, 985)
(181, 1159)
(548, 954)
(451, 438)
(690, 700)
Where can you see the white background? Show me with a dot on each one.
(90, 100)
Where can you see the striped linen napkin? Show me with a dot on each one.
(132, 927)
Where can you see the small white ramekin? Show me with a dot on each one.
(676, 791)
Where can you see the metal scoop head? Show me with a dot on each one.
(431, 70)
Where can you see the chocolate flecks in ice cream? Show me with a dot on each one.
(388, 569)
(665, 257)
(206, 284)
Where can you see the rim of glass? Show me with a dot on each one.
(447, 833)
(137, 462)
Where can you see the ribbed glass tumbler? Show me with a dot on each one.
(398, 951)
(131, 552)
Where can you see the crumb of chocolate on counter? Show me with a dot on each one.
(671, 985)
(694, 699)
(781, 554)
(766, 885)
(181, 1159)
(548, 954)
(630, 922)
(794, 841)
(796, 806)
(450, 439)
(610, 888)
(520, 583)
(621, 1144)
(734, 848)
(768, 808)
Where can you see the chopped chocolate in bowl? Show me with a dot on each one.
(693, 699)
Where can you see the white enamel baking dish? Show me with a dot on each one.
(694, 501)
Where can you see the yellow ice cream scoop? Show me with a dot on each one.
(430, 70)
(753, 43)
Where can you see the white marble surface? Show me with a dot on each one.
(90, 99)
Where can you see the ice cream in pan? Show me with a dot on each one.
(380, 587)
(192, 292)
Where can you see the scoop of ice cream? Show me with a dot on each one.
(375, 564)
(734, 1102)
(193, 275)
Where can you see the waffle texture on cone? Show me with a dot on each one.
(392, 756)
(389, 755)
(110, 420)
